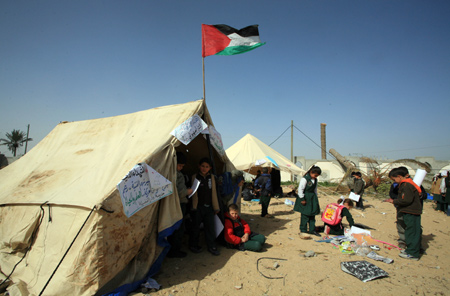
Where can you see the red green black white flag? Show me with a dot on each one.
(226, 40)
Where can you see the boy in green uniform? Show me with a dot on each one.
(307, 203)
(410, 207)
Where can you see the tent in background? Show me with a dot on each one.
(62, 223)
(249, 154)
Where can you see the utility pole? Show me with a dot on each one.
(292, 146)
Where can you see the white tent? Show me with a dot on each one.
(63, 230)
(249, 154)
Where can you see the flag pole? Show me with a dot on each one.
(208, 140)
(203, 66)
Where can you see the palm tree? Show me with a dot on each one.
(15, 139)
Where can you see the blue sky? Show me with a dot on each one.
(376, 72)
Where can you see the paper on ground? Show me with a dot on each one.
(358, 230)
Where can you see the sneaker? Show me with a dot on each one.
(315, 233)
(195, 249)
(176, 254)
(214, 251)
(402, 245)
(405, 255)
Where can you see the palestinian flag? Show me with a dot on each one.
(225, 40)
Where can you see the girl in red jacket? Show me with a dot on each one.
(238, 234)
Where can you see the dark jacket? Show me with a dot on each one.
(408, 200)
(359, 187)
(264, 183)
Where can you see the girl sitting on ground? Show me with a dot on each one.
(338, 229)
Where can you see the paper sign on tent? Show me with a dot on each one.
(141, 187)
(189, 129)
(216, 140)
(260, 161)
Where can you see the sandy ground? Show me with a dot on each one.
(239, 273)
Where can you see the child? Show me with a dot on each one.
(247, 193)
(445, 184)
(436, 191)
(205, 205)
(393, 194)
(307, 203)
(410, 208)
(238, 234)
(359, 190)
(339, 229)
(263, 185)
(177, 237)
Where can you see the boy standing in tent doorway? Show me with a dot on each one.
(177, 237)
(205, 205)
(264, 186)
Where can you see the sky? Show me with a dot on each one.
(376, 72)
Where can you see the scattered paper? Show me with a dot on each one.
(363, 270)
(288, 202)
(357, 230)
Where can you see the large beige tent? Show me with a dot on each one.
(249, 154)
(63, 230)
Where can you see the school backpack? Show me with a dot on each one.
(332, 214)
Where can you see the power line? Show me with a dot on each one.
(280, 135)
(305, 136)
(320, 147)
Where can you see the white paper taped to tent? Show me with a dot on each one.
(216, 140)
(189, 129)
(420, 175)
(260, 161)
(141, 187)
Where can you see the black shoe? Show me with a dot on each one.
(196, 249)
(176, 254)
(214, 251)
(316, 234)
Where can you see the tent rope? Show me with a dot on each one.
(33, 236)
(67, 251)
